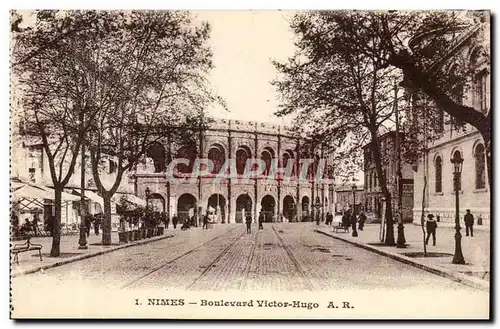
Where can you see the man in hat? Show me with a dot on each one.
(431, 226)
(469, 223)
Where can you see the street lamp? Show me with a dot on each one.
(317, 206)
(458, 257)
(353, 219)
(148, 192)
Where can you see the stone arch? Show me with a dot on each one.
(186, 206)
(218, 155)
(243, 153)
(156, 202)
(289, 210)
(244, 205)
(289, 155)
(267, 155)
(190, 153)
(305, 207)
(217, 208)
(268, 207)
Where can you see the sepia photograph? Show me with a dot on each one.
(250, 164)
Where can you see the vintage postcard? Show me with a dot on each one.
(180, 164)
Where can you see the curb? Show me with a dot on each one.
(89, 255)
(457, 277)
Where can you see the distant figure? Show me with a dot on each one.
(431, 226)
(174, 221)
(248, 221)
(97, 223)
(205, 222)
(261, 220)
(346, 219)
(88, 222)
(361, 221)
(185, 225)
(329, 219)
(35, 223)
(165, 219)
(469, 223)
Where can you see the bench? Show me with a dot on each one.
(339, 226)
(25, 247)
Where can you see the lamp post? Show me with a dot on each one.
(353, 219)
(458, 257)
(317, 206)
(148, 192)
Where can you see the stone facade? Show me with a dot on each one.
(373, 196)
(229, 199)
(473, 49)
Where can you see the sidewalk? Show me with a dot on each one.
(476, 251)
(29, 262)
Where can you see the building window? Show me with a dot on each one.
(438, 171)
(480, 91)
(480, 166)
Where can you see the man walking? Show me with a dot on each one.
(329, 219)
(469, 223)
(261, 220)
(248, 221)
(362, 220)
(205, 221)
(174, 221)
(431, 226)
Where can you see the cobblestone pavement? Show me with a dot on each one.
(282, 257)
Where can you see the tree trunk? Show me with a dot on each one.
(56, 228)
(106, 224)
(377, 158)
(422, 216)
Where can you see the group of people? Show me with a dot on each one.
(431, 226)
(349, 218)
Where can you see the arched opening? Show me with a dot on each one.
(268, 205)
(289, 209)
(243, 207)
(216, 208)
(217, 155)
(242, 155)
(156, 152)
(156, 202)
(480, 162)
(189, 153)
(305, 208)
(438, 174)
(267, 156)
(288, 160)
(186, 207)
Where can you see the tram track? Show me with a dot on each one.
(308, 282)
(156, 269)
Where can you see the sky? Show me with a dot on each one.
(243, 44)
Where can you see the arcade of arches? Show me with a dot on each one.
(231, 200)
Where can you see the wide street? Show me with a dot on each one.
(282, 257)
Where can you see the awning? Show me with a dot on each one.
(130, 198)
(94, 197)
(33, 191)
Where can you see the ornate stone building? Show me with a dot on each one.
(229, 199)
(471, 48)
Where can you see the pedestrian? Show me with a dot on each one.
(362, 220)
(88, 222)
(248, 221)
(205, 221)
(174, 221)
(469, 223)
(329, 219)
(346, 218)
(35, 223)
(431, 226)
(261, 220)
(97, 223)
